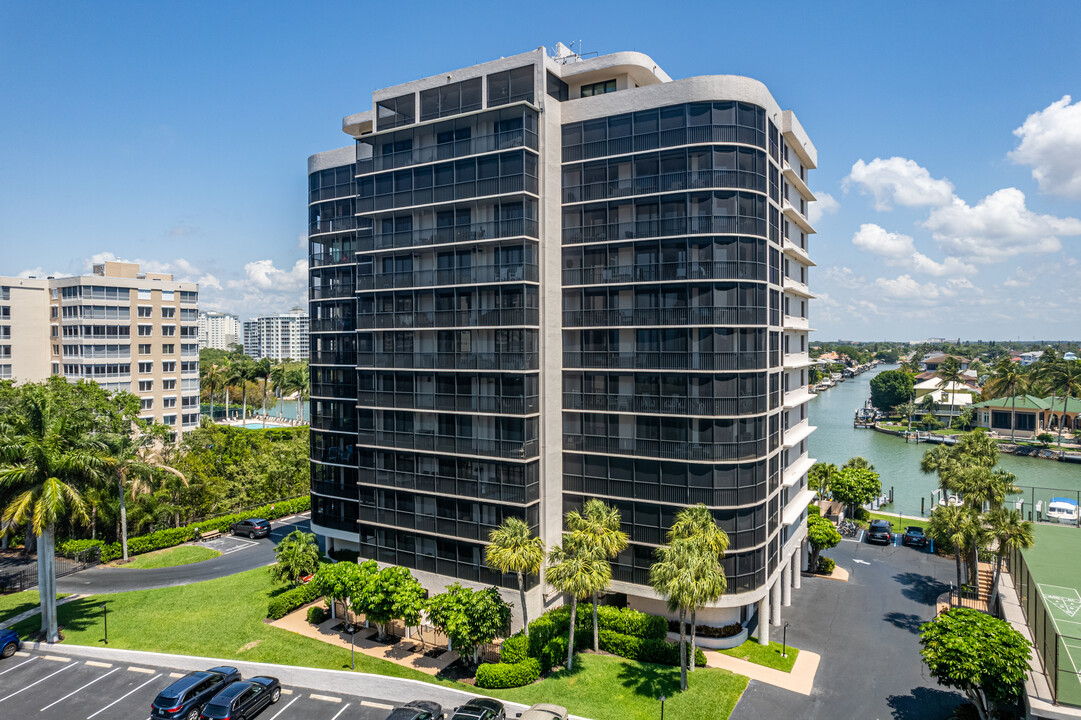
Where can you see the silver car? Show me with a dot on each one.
(544, 711)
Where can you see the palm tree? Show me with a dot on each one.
(513, 549)
(949, 374)
(213, 379)
(298, 380)
(262, 372)
(1043, 372)
(297, 557)
(1066, 377)
(676, 576)
(42, 458)
(243, 370)
(954, 525)
(578, 570)
(1007, 379)
(907, 410)
(1011, 532)
(598, 525)
(820, 476)
(696, 525)
(858, 462)
(278, 380)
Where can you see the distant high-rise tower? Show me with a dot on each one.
(219, 331)
(279, 337)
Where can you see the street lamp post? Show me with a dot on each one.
(784, 640)
(662, 699)
(105, 616)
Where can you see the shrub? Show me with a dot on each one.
(709, 631)
(508, 675)
(290, 600)
(515, 649)
(628, 622)
(660, 652)
(554, 653)
(825, 565)
(317, 614)
(69, 548)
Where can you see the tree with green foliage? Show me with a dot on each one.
(681, 575)
(297, 557)
(1011, 532)
(390, 593)
(1065, 377)
(890, 388)
(696, 526)
(855, 486)
(820, 478)
(513, 549)
(949, 376)
(598, 526)
(469, 618)
(822, 535)
(966, 419)
(858, 462)
(343, 581)
(261, 371)
(952, 526)
(980, 655)
(577, 569)
(907, 410)
(1007, 380)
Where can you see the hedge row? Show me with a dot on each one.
(290, 600)
(649, 650)
(508, 675)
(171, 537)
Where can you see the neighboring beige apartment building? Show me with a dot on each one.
(121, 328)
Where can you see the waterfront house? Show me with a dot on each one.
(933, 360)
(951, 399)
(1034, 415)
(1030, 358)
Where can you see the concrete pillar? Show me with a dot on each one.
(763, 620)
(786, 584)
(804, 557)
(775, 611)
(799, 559)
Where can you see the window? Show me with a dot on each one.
(191, 419)
(169, 402)
(599, 88)
(146, 386)
(394, 112)
(55, 331)
(168, 349)
(168, 330)
(146, 311)
(5, 292)
(168, 312)
(5, 312)
(5, 351)
(54, 312)
(146, 330)
(168, 295)
(168, 384)
(144, 349)
(510, 86)
(146, 403)
(169, 366)
(144, 294)
(557, 88)
(189, 297)
(450, 99)
(168, 419)
(146, 367)
(5, 371)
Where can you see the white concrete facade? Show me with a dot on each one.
(219, 331)
(278, 337)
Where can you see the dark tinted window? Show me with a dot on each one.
(216, 710)
(557, 88)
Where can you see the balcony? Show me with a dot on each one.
(520, 317)
(520, 272)
(795, 472)
(331, 357)
(345, 324)
(794, 322)
(486, 187)
(621, 274)
(795, 398)
(496, 230)
(791, 285)
(665, 317)
(487, 447)
(333, 257)
(447, 360)
(792, 213)
(444, 485)
(797, 182)
(504, 405)
(794, 361)
(329, 489)
(338, 291)
(797, 433)
(332, 225)
(666, 449)
(447, 151)
(798, 253)
(671, 182)
(655, 404)
(665, 138)
(795, 507)
(636, 230)
(665, 360)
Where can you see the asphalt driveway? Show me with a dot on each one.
(867, 632)
(238, 555)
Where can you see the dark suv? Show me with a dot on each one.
(914, 536)
(417, 710)
(480, 709)
(186, 697)
(252, 527)
(880, 532)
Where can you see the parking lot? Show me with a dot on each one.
(66, 687)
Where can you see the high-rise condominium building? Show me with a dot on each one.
(546, 279)
(219, 331)
(121, 328)
(278, 337)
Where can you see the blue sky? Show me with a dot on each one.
(177, 134)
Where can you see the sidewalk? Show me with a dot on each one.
(800, 680)
(31, 613)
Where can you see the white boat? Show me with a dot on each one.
(952, 501)
(1063, 510)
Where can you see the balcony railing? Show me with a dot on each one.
(664, 405)
(333, 257)
(665, 317)
(461, 403)
(348, 324)
(494, 492)
(525, 272)
(348, 492)
(665, 360)
(346, 391)
(511, 449)
(448, 360)
(446, 151)
(665, 138)
(705, 224)
(326, 292)
(338, 523)
(671, 182)
(529, 317)
(332, 225)
(722, 270)
(448, 193)
(499, 229)
(342, 357)
(668, 449)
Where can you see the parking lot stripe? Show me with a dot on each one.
(176, 675)
(21, 653)
(114, 702)
(277, 713)
(55, 658)
(286, 692)
(327, 698)
(27, 687)
(142, 670)
(16, 667)
(340, 712)
(95, 663)
(99, 677)
(380, 706)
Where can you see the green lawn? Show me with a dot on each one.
(770, 655)
(180, 555)
(15, 603)
(611, 688)
(897, 523)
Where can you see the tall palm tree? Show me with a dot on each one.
(677, 576)
(598, 525)
(949, 375)
(43, 458)
(241, 372)
(859, 462)
(262, 372)
(696, 525)
(820, 476)
(1007, 379)
(1065, 376)
(278, 380)
(578, 570)
(213, 379)
(907, 410)
(299, 382)
(513, 549)
(1043, 373)
(1011, 532)
(297, 556)
(952, 524)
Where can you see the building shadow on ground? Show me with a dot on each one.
(920, 588)
(924, 704)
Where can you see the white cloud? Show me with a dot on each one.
(826, 204)
(900, 181)
(907, 288)
(997, 228)
(900, 250)
(1051, 145)
(39, 272)
(209, 281)
(1020, 278)
(840, 276)
(265, 276)
(302, 241)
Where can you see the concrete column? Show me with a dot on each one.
(799, 559)
(775, 611)
(786, 584)
(804, 557)
(763, 620)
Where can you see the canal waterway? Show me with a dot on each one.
(898, 462)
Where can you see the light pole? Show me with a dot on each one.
(105, 616)
(784, 640)
(662, 698)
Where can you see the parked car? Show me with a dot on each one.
(880, 531)
(186, 697)
(544, 711)
(9, 643)
(417, 710)
(914, 536)
(252, 527)
(243, 700)
(480, 709)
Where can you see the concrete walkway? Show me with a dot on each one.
(800, 680)
(31, 613)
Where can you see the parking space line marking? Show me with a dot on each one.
(279, 712)
(55, 658)
(176, 675)
(21, 653)
(141, 670)
(95, 663)
(129, 692)
(327, 698)
(380, 706)
(27, 687)
(340, 712)
(286, 692)
(17, 666)
(99, 677)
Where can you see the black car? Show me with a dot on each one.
(187, 696)
(417, 710)
(914, 536)
(880, 531)
(243, 700)
(252, 527)
(480, 709)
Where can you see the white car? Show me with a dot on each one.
(544, 711)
